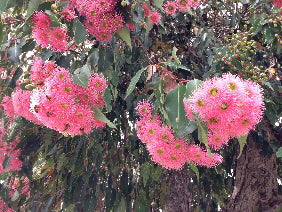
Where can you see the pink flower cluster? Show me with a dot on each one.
(102, 19)
(165, 149)
(46, 36)
(4, 207)
(8, 151)
(57, 102)
(229, 106)
(171, 7)
(20, 185)
(154, 16)
(277, 3)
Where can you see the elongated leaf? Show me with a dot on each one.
(174, 56)
(101, 117)
(242, 142)
(279, 153)
(195, 170)
(145, 172)
(79, 32)
(122, 205)
(1, 33)
(81, 75)
(203, 135)
(159, 4)
(188, 128)
(108, 98)
(133, 82)
(176, 65)
(124, 34)
(191, 86)
(175, 108)
(32, 6)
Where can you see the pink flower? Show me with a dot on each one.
(183, 5)
(144, 109)
(41, 20)
(68, 14)
(7, 104)
(147, 9)
(188, 109)
(277, 3)
(131, 27)
(4, 207)
(170, 8)
(58, 39)
(41, 37)
(155, 17)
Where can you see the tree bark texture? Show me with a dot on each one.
(255, 185)
(179, 199)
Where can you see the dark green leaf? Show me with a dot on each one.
(176, 65)
(133, 82)
(32, 6)
(101, 117)
(1, 33)
(79, 32)
(124, 34)
(191, 86)
(159, 4)
(28, 46)
(157, 173)
(269, 35)
(174, 56)
(81, 75)
(242, 142)
(108, 99)
(188, 128)
(195, 170)
(175, 108)
(145, 172)
(122, 205)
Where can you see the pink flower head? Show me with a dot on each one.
(155, 17)
(41, 37)
(217, 139)
(68, 14)
(21, 103)
(147, 9)
(4, 207)
(170, 8)
(201, 158)
(144, 109)
(58, 39)
(277, 3)
(41, 20)
(7, 104)
(188, 109)
(183, 5)
(131, 27)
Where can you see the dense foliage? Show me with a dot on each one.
(74, 74)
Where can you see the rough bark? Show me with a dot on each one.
(255, 185)
(179, 199)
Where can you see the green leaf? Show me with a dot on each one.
(1, 33)
(174, 56)
(175, 108)
(79, 32)
(124, 34)
(32, 6)
(108, 99)
(4, 4)
(54, 19)
(203, 134)
(159, 4)
(81, 75)
(269, 35)
(101, 117)
(122, 205)
(157, 173)
(242, 142)
(145, 172)
(188, 128)
(279, 153)
(195, 170)
(176, 65)
(133, 82)
(191, 86)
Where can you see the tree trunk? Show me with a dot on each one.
(255, 185)
(179, 199)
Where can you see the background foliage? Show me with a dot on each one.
(109, 169)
